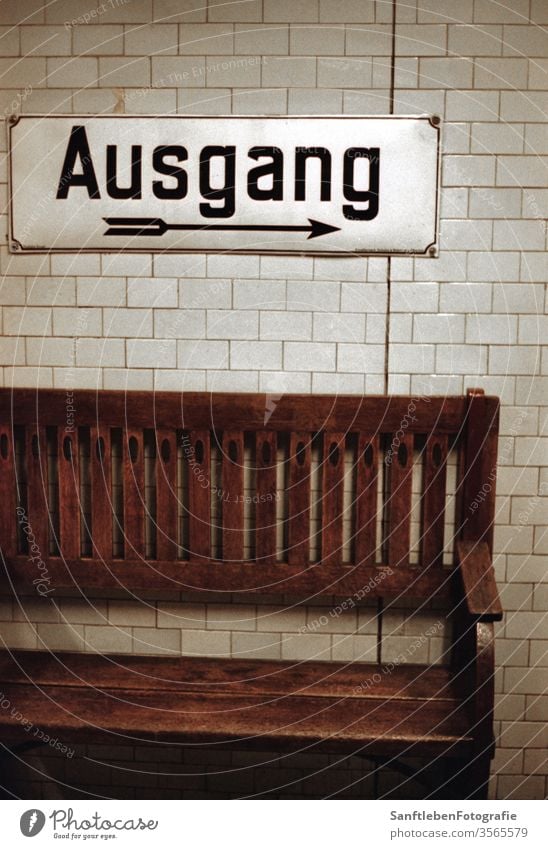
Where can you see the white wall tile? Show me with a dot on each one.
(522, 106)
(419, 40)
(521, 171)
(493, 267)
(236, 324)
(151, 353)
(289, 71)
(126, 71)
(339, 327)
(185, 11)
(524, 40)
(494, 203)
(497, 329)
(465, 297)
(412, 358)
(443, 327)
(39, 41)
(99, 39)
(500, 73)
(360, 358)
(31, 321)
(263, 355)
(150, 293)
(127, 322)
(475, 40)
(259, 294)
(461, 359)
(445, 73)
(317, 296)
(262, 39)
(305, 40)
(294, 326)
(151, 39)
(288, 11)
(199, 354)
(199, 294)
(49, 291)
(310, 356)
(353, 11)
(518, 298)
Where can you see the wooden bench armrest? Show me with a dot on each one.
(478, 580)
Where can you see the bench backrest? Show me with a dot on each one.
(303, 494)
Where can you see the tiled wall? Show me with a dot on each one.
(474, 317)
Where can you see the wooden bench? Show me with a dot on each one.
(306, 496)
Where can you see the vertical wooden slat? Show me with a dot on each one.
(367, 473)
(265, 513)
(332, 497)
(134, 492)
(196, 450)
(69, 493)
(166, 495)
(399, 503)
(298, 518)
(433, 500)
(232, 494)
(37, 488)
(101, 491)
(9, 520)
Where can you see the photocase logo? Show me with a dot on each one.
(32, 822)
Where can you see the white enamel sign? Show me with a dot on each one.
(306, 185)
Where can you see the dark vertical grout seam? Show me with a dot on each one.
(388, 303)
(389, 260)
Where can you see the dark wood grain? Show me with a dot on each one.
(68, 470)
(231, 495)
(399, 502)
(480, 468)
(485, 674)
(298, 520)
(326, 711)
(367, 472)
(484, 706)
(244, 411)
(9, 501)
(84, 715)
(37, 487)
(474, 778)
(229, 676)
(478, 578)
(433, 500)
(167, 504)
(197, 455)
(134, 492)
(332, 503)
(266, 497)
(219, 576)
(101, 491)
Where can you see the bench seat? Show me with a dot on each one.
(338, 706)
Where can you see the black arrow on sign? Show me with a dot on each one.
(157, 227)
